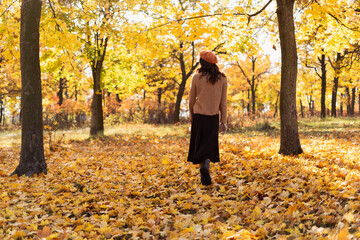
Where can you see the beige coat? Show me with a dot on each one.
(207, 98)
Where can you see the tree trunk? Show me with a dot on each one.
(302, 109)
(179, 97)
(159, 114)
(341, 107)
(336, 85)
(184, 77)
(248, 105)
(359, 104)
(348, 101)
(323, 85)
(353, 94)
(60, 93)
(32, 159)
(350, 105)
(253, 90)
(289, 140)
(1, 109)
(75, 93)
(118, 98)
(253, 97)
(276, 105)
(333, 97)
(97, 118)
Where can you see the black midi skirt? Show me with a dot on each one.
(204, 140)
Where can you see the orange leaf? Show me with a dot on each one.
(43, 233)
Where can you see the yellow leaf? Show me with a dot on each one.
(242, 234)
(18, 234)
(349, 217)
(165, 160)
(88, 227)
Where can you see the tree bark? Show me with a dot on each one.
(60, 93)
(160, 112)
(184, 77)
(341, 106)
(336, 85)
(253, 86)
(276, 104)
(333, 97)
(348, 101)
(302, 109)
(253, 99)
(248, 104)
(289, 140)
(323, 85)
(181, 91)
(311, 104)
(32, 159)
(353, 96)
(350, 106)
(97, 118)
(1, 109)
(359, 103)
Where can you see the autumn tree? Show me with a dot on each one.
(10, 79)
(325, 40)
(253, 72)
(94, 24)
(289, 141)
(307, 90)
(186, 28)
(161, 81)
(32, 160)
(317, 62)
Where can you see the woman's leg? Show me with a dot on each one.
(205, 173)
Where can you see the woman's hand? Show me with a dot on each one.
(223, 128)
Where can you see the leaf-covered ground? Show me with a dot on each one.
(135, 186)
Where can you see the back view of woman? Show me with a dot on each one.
(207, 98)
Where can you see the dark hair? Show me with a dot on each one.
(210, 69)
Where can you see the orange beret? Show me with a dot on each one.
(208, 56)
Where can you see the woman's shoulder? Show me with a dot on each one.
(223, 77)
(197, 75)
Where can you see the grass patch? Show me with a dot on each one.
(13, 137)
(270, 127)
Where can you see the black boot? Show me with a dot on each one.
(205, 174)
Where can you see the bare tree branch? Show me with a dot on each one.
(355, 29)
(8, 8)
(258, 12)
(54, 16)
(182, 6)
(247, 79)
(215, 49)
(211, 15)
(174, 80)
(312, 67)
(260, 74)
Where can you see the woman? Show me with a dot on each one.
(207, 97)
